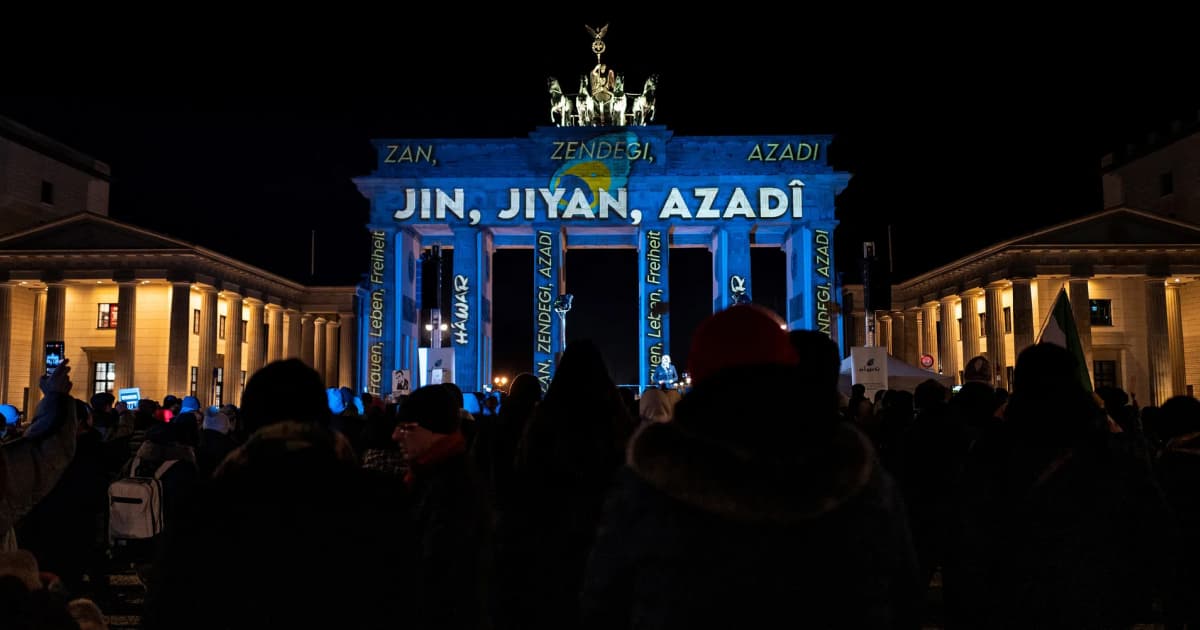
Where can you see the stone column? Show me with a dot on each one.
(56, 318)
(1158, 342)
(207, 355)
(948, 350)
(929, 336)
(126, 322)
(318, 360)
(346, 345)
(232, 391)
(970, 328)
(178, 374)
(730, 249)
(994, 305)
(898, 332)
(307, 335)
(6, 319)
(912, 336)
(274, 333)
(331, 354)
(37, 365)
(883, 332)
(255, 350)
(1175, 340)
(1081, 309)
(1022, 314)
(293, 337)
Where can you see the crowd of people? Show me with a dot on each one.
(760, 495)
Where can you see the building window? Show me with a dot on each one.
(983, 324)
(960, 329)
(221, 328)
(1101, 311)
(1104, 373)
(1008, 370)
(1166, 184)
(1008, 319)
(103, 377)
(195, 321)
(243, 379)
(195, 379)
(47, 192)
(106, 315)
(244, 325)
(219, 388)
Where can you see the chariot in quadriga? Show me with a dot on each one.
(602, 100)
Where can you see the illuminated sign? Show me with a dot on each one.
(409, 153)
(784, 151)
(654, 284)
(376, 313)
(545, 290)
(602, 149)
(462, 310)
(824, 288)
(585, 204)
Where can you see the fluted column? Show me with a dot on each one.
(274, 333)
(883, 332)
(207, 355)
(970, 328)
(994, 306)
(1175, 340)
(255, 350)
(232, 391)
(912, 336)
(307, 334)
(1022, 314)
(178, 381)
(949, 341)
(929, 336)
(899, 332)
(126, 324)
(294, 335)
(56, 315)
(331, 353)
(318, 362)
(348, 333)
(1158, 342)
(1081, 309)
(36, 348)
(6, 320)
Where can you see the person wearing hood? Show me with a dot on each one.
(749, 508)
(215, 443)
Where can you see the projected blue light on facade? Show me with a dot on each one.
(574, 187)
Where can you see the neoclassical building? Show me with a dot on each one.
(1130, 276)
(140, 309)
(136, 308)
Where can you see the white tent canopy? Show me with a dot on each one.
(901, 375)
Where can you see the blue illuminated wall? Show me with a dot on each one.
(582, 187)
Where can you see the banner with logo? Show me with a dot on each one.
(870, 368)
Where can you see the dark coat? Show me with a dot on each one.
(688, 542)
(290, 533)
(214, 447)
(1179, 473)
(1056, 537)
(449, 531)
(33, 463)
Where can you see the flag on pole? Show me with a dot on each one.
(1059, 329)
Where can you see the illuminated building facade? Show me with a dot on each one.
(136, 308)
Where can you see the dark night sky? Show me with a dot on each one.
(245, 140)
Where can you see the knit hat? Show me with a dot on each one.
(170, 401)
(336, 404)
(978, 370)
(190, 403)
(9, 413)
(218, 422)
(741, 335)
(432, 407)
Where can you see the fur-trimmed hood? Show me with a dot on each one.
(733, 451)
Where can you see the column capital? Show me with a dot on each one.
(999, 285)
(949, 300)
(252, 300)
(320, 320)
(271, 307)
(205, 288)
(971, 292)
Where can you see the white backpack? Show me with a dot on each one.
(135, 510)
